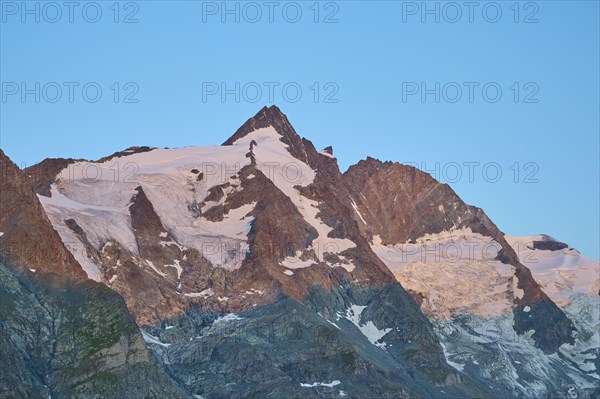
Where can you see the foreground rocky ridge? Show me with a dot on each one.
(62, 339)
(303, 354)
(258, 269)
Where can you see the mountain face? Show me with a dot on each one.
(472, 282)
(258, 269)
(62, 335)
(401, 204)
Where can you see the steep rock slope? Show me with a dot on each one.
(66, 339)
(401, 204)
(28, 238)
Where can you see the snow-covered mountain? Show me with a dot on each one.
(258, 269)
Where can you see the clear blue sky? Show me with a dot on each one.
(374, 58)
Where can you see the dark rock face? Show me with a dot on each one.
(270, 350)
(151, 281)
(43, 174)
(401, 203)
(549, 245)
(411, 341)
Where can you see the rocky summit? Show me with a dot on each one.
(257, 269)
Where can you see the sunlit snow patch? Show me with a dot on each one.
(294, 262)
(369, 330)
(98, 195)
(228, 317)
(151, 339)
(322, 384)
(202, 294)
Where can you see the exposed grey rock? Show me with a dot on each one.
(65, 339)
(270, 351)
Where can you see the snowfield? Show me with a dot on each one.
(98, 195)
(368, 329)
(456, 272)
(562, 273)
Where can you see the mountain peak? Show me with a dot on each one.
(273, 117)
(267, 116)
(272, 112)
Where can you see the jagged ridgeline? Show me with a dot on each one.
(256, 269)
